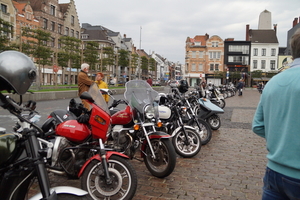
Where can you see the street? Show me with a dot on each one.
(230, 166)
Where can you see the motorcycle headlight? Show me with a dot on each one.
(149, 112)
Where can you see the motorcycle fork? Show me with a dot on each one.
(181, 124)
(104, 162)
(193, 115)
(148, 139)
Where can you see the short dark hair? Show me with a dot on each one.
(295, 44)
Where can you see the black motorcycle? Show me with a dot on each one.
(23, 156)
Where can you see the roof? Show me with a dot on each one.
(263, 36)
(64, 7)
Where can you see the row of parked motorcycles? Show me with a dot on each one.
(96, 145)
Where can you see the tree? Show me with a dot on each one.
(71, 52)
(123, 58)
(5, 29)
(144, 65)
(256, 74)
(108, 57)
(133, 62)
(91, 54)
(152, 66)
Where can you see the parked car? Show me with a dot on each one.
(174, 83)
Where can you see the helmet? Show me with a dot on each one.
(183, 86)
(17, 72)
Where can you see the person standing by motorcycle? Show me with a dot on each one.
(84, 83)
(149, 81)
(277, 120)
(102, 85)
(240, 87)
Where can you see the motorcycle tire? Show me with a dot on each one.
(122, 174)
(214, 121)
(179, 143)
(222, 103)
(165, 161)
(71, 197)
(205, 133)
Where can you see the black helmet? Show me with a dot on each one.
(183, 86)
(17, 72)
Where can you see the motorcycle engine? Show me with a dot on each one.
(121, 138)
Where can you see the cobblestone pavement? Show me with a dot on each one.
(229, 167)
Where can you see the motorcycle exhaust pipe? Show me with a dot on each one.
(56, 172)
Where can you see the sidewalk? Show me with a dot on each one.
(231, 166)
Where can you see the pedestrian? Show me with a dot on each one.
(277, 120)
(84, 83)
(102, 85)
(149, 81)
(240, 87)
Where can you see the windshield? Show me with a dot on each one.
(139, 93)
(95, 93)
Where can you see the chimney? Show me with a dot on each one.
(295, 22)
(207, 36)
(124, 35)
(247, 32)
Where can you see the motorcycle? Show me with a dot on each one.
(80, 152)
(134, 128)
(214, 95)
(206, 110)
(191, 119)
(186, 140)
(23, 158)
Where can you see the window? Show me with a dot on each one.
(273, 52)
(67, 31)
(263, 52)
(59, 26)
(45, 23)
(197, 43)
(211, 67)
(52, 26)
(77, 34)
(3, 8)
(217, 67)
(193, 54)
(52, 10)
(214, 55)
(272, 64)
(72, 20)
(52, 42)
(200, 54)
(254, 64)
(200, 68)
(214, 44)
(59, 43)
(263, 64)
(72, 33)
(193, 67)
(255, 53)
(239, 48)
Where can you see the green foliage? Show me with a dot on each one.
(5, 29)
(144, 63)
(91, 54)
(152, 64)
(123, 58)
(256, 74)
(134, 61)
(109, 56)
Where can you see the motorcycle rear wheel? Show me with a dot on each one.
(165, 161)
(184, 150)
(122, 174)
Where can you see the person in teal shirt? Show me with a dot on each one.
(277, 119)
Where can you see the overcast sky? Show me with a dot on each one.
(163, 25)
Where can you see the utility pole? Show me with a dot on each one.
(139, 54)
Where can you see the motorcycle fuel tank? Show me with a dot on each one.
(164, 112)
(7, 146)
(73, 131)
(122, 117)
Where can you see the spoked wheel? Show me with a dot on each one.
(214, 121)
(190, 149)
(122, 174)
(165, 158)
(204, 130)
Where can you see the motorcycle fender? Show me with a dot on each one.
(157, 134)
(97, 157)
(179, 128)
(62, 190)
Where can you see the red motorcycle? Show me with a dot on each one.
(79, 150)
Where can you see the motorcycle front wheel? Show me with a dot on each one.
(165, 157)
(122, 174)
(214, 122)
(180, 144)
(203, 129)
(222, 103)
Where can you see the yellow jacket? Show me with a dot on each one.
(103, 85)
